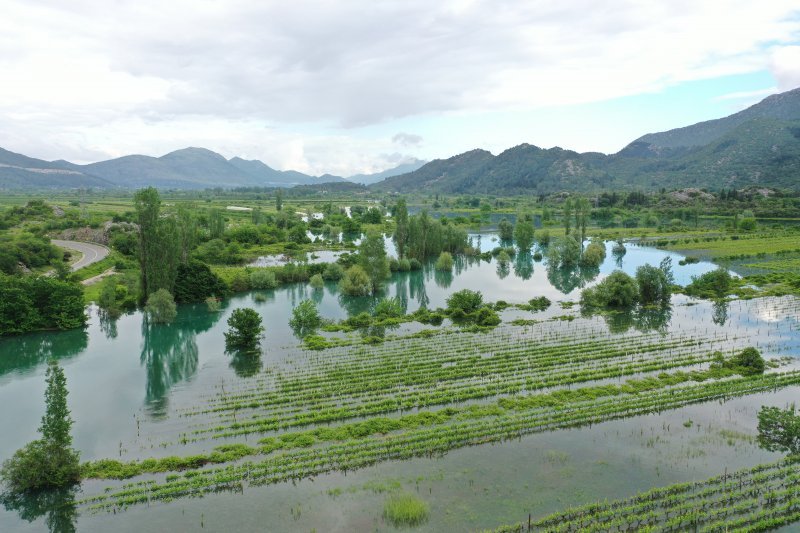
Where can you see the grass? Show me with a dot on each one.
(404, 509)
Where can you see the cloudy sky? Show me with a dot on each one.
(359, 86)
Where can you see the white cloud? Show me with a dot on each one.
(785, 67)
(86, 78)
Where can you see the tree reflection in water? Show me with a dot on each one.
(170, 354)
(56, 505)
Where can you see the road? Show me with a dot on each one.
(92, 253)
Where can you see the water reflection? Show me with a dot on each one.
(26, 352)
(58, 507)
(108, 324)
(170, 354)
(503, 269)
(566, 280)
(523, 265)
(642, 319)
(719, 312)
(246, 365)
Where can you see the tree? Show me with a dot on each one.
(372, 258)
(748, 362)
(582, 211)
(524, 232)
(564, 253)
(161, 307)
(779, 430)
(506, 230)
(51, 461)
(401, 227)
(279, 200)
(594, 254)
(159, 243)
(654, 286)
(244, 330)
(305, 318)
(567, 215)
(216, 224)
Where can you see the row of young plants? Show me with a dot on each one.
(394, 385)
(431, 440)
(761, 498)
(375, 426)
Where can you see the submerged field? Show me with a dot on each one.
(543, 413)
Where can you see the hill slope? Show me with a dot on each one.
(757, 146)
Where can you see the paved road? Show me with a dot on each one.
(92, 253)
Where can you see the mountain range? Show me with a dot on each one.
(189, 168)
(757, 146)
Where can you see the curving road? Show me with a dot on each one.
(92, 253)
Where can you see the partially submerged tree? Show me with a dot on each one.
(244, 330)
(50, 461)
(779, 429)
(160, 307)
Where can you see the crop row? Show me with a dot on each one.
(438, 439)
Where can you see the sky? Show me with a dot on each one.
(346, 87)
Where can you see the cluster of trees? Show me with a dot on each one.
(421, 236)
(30, 303)
(651, 286)
(29, 250)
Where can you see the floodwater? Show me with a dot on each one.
(128, 379)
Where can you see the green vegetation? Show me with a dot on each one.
(779, 430)
(50, 461)
(161, 307)
(756, 499)
(405, 509)
(356, 282)
(30, 303)
(305, 318)
(244, 330)
(445, 262)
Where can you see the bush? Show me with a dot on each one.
(161, 307)
(305, 318)
(617, 290)
(404, 265)
(316, 281)
(445, 262)
(240, 282)
(263, 278)
(486, 317)
(779, 430)
(466, 301)
(415, 264)
(389, 308)
(539, 303)
(195, 282)
(30, 303)
(333, 272)
(356, 282)
(594, 254)
(714, 284)
(244, 330)
(748, 362)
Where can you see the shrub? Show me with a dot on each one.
(415, 264)
(486, 317)
(466, 301)
(240, 282)
(748, 362)
(617, 290)
(714, 284)
(539, 303)
(244, 330)
(594, 254)
(389, 308)
(195, 282)
(213, 304)
(445, 262)
(305, 318)
(161, 307)
(333, 272)
(316, 281)
(404, 265)
(355, 282)
(263, 278)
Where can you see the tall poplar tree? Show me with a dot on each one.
(401, 229)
